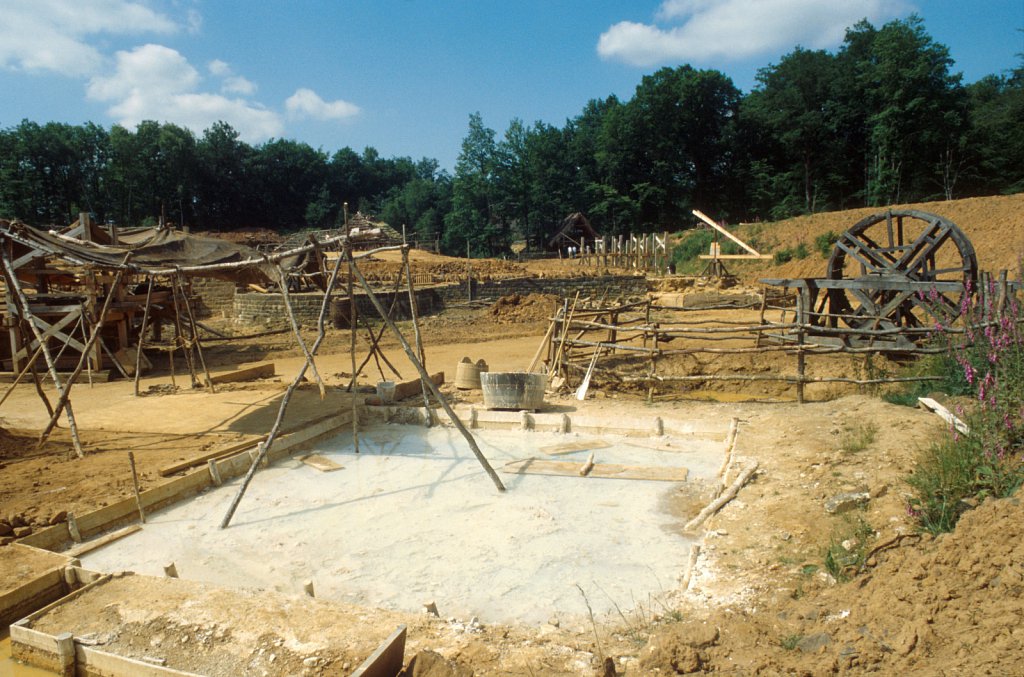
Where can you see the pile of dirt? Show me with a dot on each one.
(951, 604)
(994, 225)
(430, 267)
(13, 445)
(529, 308)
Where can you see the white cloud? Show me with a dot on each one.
(58, 35)
(707, 30)
(307, 103)
(231, 83)
(219, 68)
(153, 82)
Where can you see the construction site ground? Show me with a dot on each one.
(759, 601)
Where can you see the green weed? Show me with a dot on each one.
(858, 438)
(843, 561)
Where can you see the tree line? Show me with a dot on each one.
(881, 120)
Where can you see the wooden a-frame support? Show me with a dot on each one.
(425, 379)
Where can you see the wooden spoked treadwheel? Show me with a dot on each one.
(885, 251)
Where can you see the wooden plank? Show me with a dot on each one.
(387, 660)
(409, 388)
(265, 370)
(321, 463)
(570, 447)
(946, 415)
(211, 455)
(95, 662)
(533, 466)
(98, 543)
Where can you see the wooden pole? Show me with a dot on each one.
(24, 370)
(426, 379)
(352, 313)
(298, 334)
(195, 335)
(39, 389)
(264, 446)
(375, 351)
(135, 486)
(142, 335)
(416, 326)
(179, 336)
(565, 333)
(12, 281)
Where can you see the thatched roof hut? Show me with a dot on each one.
(573, 231)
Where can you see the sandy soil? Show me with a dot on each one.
(760, 601)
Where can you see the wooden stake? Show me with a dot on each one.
(12, 281)
(426, 379)
(135, 485)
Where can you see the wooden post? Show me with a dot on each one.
(469, 275)
(800, 358)
(426, 379)
(135, 486)
(66, 654)
(12, 281)
(142, 334)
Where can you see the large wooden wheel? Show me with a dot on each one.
(883, 252)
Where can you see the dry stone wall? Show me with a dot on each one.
(269, 310)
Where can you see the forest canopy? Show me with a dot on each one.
(883, 119)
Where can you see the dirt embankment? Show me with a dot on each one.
(994, 225)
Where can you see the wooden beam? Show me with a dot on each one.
(706, 219)
(265, 370)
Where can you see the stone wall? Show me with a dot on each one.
(608, 286)
(216, 297)
(250, 308)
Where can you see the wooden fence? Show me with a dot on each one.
(605, 342)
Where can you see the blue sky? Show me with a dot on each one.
(404, 75)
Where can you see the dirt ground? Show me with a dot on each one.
(761, 599)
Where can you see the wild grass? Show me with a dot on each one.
(986, 362)
(848, 548)
(858, 438)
